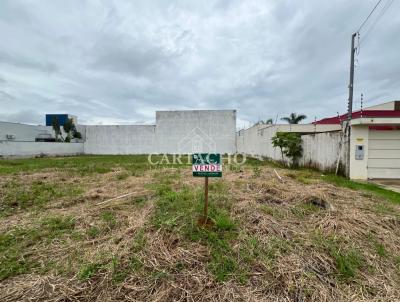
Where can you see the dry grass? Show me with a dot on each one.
(296, 240)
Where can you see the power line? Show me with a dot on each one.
(383, 11)
(370, 14)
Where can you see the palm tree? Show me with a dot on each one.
(293, 118)
(266, 122)
(56, 127)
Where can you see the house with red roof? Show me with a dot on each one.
(375, 141)
(374, 151)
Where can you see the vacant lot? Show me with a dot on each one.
(308, 237)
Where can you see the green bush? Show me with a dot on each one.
(290, 145)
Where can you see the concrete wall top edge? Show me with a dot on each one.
(119, 126)
(188, 113)
(200, 110)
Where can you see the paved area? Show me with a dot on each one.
(391, 184)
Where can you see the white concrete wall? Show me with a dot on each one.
(320, 150)
(209, 131)
(22, 132)
(176, 132)
(256, 141)
(120, 139)
(179, 132)
(28, 149)
(28, 133)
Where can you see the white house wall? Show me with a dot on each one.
(358, 167)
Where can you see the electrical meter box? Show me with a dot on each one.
(359, 152)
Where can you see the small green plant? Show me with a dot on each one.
(348, 262)
(58, 225)
(348, 259)
(304, 209)
(275, 247)
(290, 145)
(222, 265)
(139, 242)
(380, 249)
(159, 275)
(139, 199)
(93, 232)
(273, 211)
(224, 222)
(377, 245)
(256, 172)
(109, 219)
(89, 270)
(135, 264)
(119, 272)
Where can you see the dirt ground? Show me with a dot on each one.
(115, 233)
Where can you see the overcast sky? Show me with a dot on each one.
(111, 62)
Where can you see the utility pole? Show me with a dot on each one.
(350, 100)
(351, 84)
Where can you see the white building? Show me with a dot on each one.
(374, 143)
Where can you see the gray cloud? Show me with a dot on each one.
(5, 97)
(28, 116)
(23, 62)
(118, 62)
(118, 54)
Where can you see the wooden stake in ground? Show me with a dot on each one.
(206, 165)
(205, 199)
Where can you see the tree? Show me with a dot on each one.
(293, 118)
(70, 128)
(77, 135)
(278, 140)
(290, 145)
(56, 127)
(266, 122)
